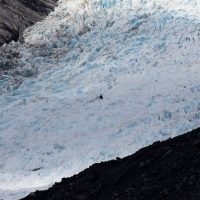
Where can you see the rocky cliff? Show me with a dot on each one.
(16, 15)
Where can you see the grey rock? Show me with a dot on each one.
(17, 15)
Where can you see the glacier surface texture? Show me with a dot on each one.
(142, 56)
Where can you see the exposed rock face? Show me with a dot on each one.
(17, 15)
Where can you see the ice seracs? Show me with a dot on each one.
(143, 57)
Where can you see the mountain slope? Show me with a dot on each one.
(94, 81)
(164, 170)
(17, 15)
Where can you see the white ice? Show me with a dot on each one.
(142, 56)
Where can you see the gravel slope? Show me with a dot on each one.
(164, 170)
(16, 15)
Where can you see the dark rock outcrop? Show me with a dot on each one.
(16, 15)
(165, 170)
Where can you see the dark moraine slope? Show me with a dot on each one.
(16, 15)
(164, 170)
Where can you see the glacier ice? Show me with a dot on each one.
(142, 56)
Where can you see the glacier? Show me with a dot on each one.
(142, 56)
